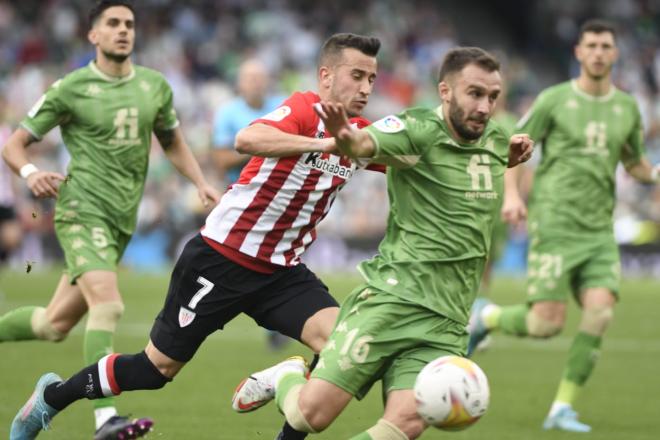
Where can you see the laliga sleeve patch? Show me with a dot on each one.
(278, 114)
(389, 124)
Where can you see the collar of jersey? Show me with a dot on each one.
(589, 97)
(106, 77)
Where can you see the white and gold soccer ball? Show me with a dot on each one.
(452, 393)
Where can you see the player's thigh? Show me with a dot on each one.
(99, 286)
(602, 270)
(297, 304)
(67, 306)
(206, 291)
(90, 243)
(321, 402)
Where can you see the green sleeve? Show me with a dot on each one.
(634, 150)
(166, 117)
(394, 141)
(48, 112)
(537, 120)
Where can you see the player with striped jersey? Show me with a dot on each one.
(247, 257)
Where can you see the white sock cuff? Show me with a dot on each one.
(104, 316)
(42, 328)
(292, 411)
(386, 430)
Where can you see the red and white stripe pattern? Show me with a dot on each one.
(272, 211)
(106, 365)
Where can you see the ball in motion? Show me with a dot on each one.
(452, 393)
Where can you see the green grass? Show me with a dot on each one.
(621, 400)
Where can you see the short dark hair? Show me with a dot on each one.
(597, 26)
(456, 59)
(102, 5)
(333, 46)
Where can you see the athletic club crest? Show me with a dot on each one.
(186, 317)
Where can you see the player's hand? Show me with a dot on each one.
(514, 210)
(521, 148)
(335, 119)
(208, 195)
(44, 184)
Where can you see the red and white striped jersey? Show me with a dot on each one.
(270, 214)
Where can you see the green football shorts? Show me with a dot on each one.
(557, 266)
(382, 336)
(90, 244)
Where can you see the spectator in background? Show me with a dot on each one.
(252, 103)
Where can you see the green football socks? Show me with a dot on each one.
(16, 325)
(512, 320)
(582, 357)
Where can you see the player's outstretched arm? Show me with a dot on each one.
(184, 161)
(350, 141)
(644, 172)
(521, 148)
(42, 183)
(266, 141)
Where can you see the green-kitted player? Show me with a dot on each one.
(445, 182)
(586, 127)
(107, 112)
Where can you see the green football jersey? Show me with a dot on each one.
(444, 197)
(583, 139)
(106, 125)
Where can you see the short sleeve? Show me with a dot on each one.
(394, 141)
(48, 112)
(166, 117)
(295, 116)
(634, 149)
(537, 120)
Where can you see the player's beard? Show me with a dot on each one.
(459, 122)
(116, 57)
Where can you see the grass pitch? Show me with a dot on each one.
(622, 400)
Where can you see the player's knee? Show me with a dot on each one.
(43, 329)
(540, 327)
(316, 415)
(138, 373)
(104, 316)
(595, 320)
(301, 415)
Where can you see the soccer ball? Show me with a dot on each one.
(452, 393)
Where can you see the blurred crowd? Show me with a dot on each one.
(199, 45)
